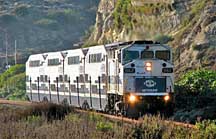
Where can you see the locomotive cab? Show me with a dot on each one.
(148, 77)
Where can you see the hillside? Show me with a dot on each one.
(44, 25)
(12, 83)
(189, 26)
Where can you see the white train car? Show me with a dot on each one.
(125, 76)
(73, 77)
(34, 67)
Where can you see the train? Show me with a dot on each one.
(127, 78)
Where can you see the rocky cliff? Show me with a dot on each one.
(189, 26)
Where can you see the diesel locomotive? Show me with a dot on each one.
(123, 77)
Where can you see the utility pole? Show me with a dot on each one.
(6, 56)
(6, 47)
(15, 54)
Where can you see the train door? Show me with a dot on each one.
(112, 63)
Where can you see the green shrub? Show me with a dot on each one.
(12, 83)
(21, 10)
(163, 38)
(95, 117)
(198, 6)
(207, 129)
(33, 119)
(122, 14)
(73, 118)
(104, 126)
(51, 111)
(197, 82)
(61, 13)
(47, 23)
(64, 16)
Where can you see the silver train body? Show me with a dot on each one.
(124, 76)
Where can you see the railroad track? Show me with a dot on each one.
(18, 103)
(129, 120)
(111, 117)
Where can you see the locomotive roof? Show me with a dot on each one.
(116, 45)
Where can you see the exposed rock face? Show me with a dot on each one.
(104, 20)
(192, 25)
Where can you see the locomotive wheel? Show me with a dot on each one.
(168, 110)
(132, 112)
(45, 100)
(107, 109)
(85, 105)
(65, 102)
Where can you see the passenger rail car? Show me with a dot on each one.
(126, 76)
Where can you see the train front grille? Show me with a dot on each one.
(150, 84)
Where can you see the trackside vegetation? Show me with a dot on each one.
(53, 121)
(195, 95)
(198, 82)
(12, 83)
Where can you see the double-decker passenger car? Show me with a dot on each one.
(125, 76)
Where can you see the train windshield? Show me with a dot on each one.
(147, 54)
(164, 55)
(129, 55)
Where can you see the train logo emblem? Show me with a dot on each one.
(150, 83)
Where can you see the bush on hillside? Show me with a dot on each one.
(64, 16)
(198, 82)
(14, 70)
(163, 39)
(21, 10)
(122, 14)
(12, 83)
(47, 23)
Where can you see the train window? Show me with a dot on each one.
(27, 78)
(82, 89)
(35, 63)
(164, 55)
(73, 88)
(60, 78)
(94, 89)
(95, 58)
(41, 78)
(147, 54)
(128, 55)
(34, 87)
(66, 78)
(81, 78)
(53, 87)
(73, 60)
(27, 88)
(63, 88)
(43, 87)
(45, 78)
(53, 62)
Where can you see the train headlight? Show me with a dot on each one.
(167, 98)
(132, 98)
(148, 66)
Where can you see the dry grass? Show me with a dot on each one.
(50, 121)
